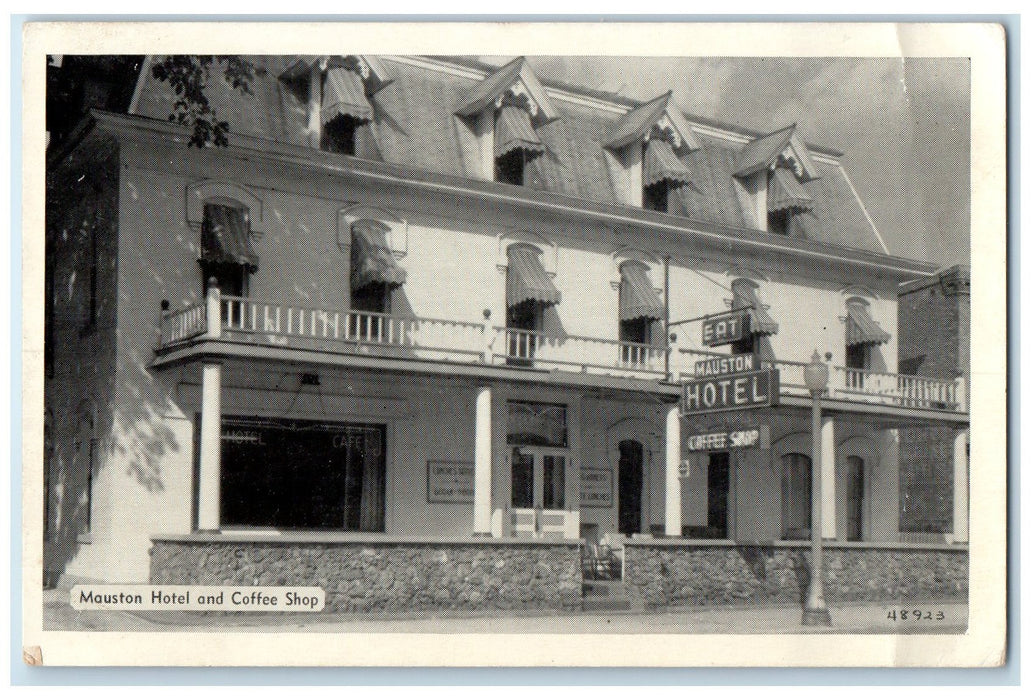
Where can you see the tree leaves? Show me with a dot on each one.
(188, 76)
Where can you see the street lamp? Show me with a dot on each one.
(815, 611)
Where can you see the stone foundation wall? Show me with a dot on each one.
(368, 577)
(660, 575)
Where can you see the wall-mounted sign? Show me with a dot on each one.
(449, 482)
(731, 392)
(595, 488)
(731, 364)
(730, 439)
(726, 328)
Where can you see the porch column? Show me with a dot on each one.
(828, 470)
(482, 464)
(210, 472)
(673, 528)
(960, 488)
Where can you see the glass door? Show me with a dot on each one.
(538, 478)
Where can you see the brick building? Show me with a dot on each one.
(934, 341)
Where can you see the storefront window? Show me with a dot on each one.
(303, 475)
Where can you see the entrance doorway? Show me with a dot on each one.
(855, 498)
(631, 483)
(719, 491)
(538, 478)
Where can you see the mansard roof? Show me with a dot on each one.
(416, 124)
(763, 152)
(514, 75)
(635, 124)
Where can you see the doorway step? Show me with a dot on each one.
(605, 596)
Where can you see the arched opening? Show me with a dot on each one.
(855, 498)
(796, 496)
(631, 486)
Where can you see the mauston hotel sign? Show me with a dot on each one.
(728, 382)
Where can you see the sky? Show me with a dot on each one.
(902, 124)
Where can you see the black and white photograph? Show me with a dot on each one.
(516, 346)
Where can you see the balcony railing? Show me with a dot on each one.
(385, 335)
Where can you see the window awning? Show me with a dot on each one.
(637, 297)
(225, 237)
(514, 130)
(660, 163)
(861, 329)
(527, 280)
(372, 261)
(343, 93)
(786, 192)
(746, 295)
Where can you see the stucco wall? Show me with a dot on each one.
(80, 377)
(452, 257)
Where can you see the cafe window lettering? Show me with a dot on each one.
(303, 475)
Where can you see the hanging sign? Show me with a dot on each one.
(731, 392)
(730, 439)
(726, 328)
(730, 364)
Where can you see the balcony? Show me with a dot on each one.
(256, 322)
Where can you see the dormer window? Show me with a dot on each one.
(516, 144)
(338, 90)
(662, 172)
(772, 170)
(785, 199)
(648, 142)
(504, 111)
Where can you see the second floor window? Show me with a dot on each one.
(641, 311)
(374, 275)
(528, 291)
(226, 252)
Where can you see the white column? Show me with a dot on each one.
(482, 464)
(828, 447)
(210, 472)
(960, 488)
(673, 528)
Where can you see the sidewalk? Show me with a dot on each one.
(850, 618)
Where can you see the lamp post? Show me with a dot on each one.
(815, 611)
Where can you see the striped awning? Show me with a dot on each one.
(637, 297)
(861, 329)
(372, 261)
(660, 163)
(786, 192)
(527, 280)
(513, 130)
(225, 237)
(746, 294)
(343, 94)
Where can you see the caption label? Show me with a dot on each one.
(238, 598)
